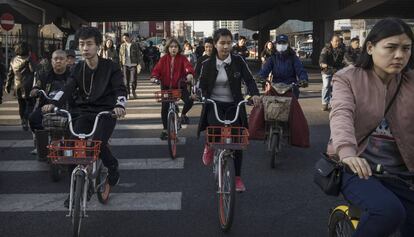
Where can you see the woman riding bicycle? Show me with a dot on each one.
(220, 80)
(285, 66)
(171, 70)
(361, 95)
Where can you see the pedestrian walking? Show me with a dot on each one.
(330, 61)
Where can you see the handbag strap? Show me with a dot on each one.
(386, 111)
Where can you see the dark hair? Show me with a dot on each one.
(383, 29)
(354, 39)
(125, 34)
(22, 49)
(221, 32)
(106, 47)
(266, 50)
(242, 38)
(169, 42)
(209, 40)
(335, 35)
(88, 32)
(188, 44)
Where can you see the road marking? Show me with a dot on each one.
(42, 202)
(128, 116)
(124, 164)
(118, 127)
(113, 142)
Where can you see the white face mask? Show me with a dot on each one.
(281, 47)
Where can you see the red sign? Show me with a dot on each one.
(7, 21)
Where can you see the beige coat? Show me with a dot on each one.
(358, 105)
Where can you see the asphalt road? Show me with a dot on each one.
(160, 197)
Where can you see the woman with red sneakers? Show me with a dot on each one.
(220, 80)
(174, 71)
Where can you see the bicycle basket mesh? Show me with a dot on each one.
(74, 151)
(168, 95)
(234, 138)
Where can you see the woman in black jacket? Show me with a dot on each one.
(220, 80)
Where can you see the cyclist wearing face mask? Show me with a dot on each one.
(285, 66)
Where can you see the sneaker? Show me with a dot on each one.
(34, 152)
(185, 119)
(208, 155)
(240, 185)
(324, 107)
(164, 135)
(113, 177)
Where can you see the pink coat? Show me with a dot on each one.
(358, 105)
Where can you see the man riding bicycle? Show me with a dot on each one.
(100, 88)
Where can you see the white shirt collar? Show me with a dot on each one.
(226, 61)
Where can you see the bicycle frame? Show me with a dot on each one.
(84, 169)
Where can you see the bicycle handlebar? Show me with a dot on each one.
(225, 122)
(43, 93)
(380, 172)
(82, 135)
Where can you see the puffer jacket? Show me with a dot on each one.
(21, 75)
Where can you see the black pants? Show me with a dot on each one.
(25, 108)
(226, 111)
(104, 130)
(35, 119)
(188, 104)
(130, 74)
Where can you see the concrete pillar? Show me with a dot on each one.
(30, 34)
(264, 36)
(322, 33)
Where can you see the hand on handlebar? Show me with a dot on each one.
(34, 92)
(155, 80)
(119, 112)
(359, 166)
(48, 108)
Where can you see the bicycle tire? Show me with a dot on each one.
(226, 202)
(77, 212)
(55, 172)
(172, 135)
(99, 192)
(340, 224)
(275, 140)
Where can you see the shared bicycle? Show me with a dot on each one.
(344, 219)
(89, 176)
(226, 139)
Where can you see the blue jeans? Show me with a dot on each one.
(326, 88)
(387, 205)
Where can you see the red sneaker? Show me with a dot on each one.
(240, 185)
(208, 155)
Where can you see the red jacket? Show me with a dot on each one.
(162, 71)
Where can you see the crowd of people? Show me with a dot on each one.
(367, 126)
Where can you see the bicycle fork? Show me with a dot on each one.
(79, 171)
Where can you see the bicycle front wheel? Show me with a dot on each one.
(172, 134)
(274, 144)
(340, 224)
(77, 204)
(227, 194)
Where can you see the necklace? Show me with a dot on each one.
(88, 93)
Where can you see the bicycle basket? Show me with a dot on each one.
(276, 108)
(234, 138)
(74, 151)
(54, 122)
(168, 95)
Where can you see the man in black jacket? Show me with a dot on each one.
(240, 48)
(51, 82)
(100, 88)
(330, 62)
(352, 53)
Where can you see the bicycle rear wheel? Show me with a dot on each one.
(77, 204)
(227, 194)
(340, 224)
(172, 134)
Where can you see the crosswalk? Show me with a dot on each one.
(130, 146)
